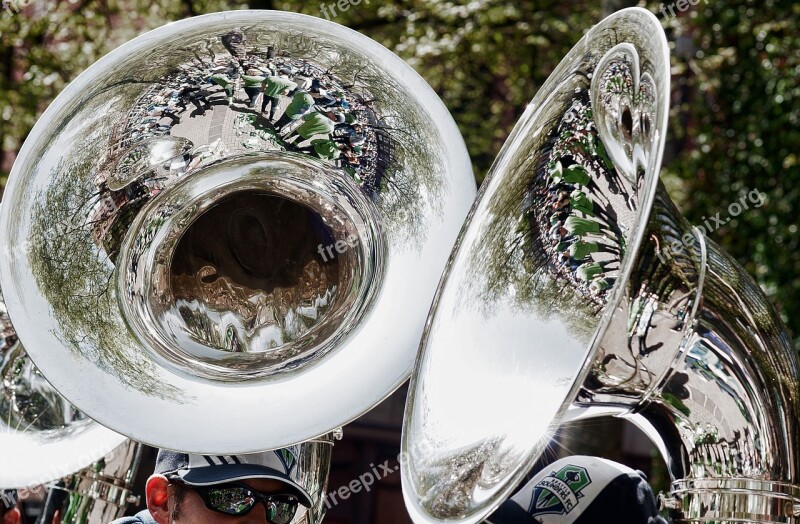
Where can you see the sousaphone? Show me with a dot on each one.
(576, 290)
(224, 236)
(46, 441)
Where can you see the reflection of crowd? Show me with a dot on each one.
(302, 108)
(286, 104)
(309, 110)
(582, 236)
(577, 234)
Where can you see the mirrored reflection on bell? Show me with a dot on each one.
(567, 298)
(88, 469)
(42, 435)
(229, 216)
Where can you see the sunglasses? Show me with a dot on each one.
(238, 499)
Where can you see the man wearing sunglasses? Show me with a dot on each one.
(227, 489)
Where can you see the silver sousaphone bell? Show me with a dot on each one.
(46, 440)
(224, 236)
(577, 290)
(168, 262)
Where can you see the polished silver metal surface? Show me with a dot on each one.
(230, 221)
(578, 290)
(313, 468)
(42, 436)
(102, 492)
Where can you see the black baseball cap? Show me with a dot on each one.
(582, 490)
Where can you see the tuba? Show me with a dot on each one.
(101, 492)
(576, 289)
(46, 440)
(224, 236)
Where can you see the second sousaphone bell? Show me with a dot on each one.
(577, 289)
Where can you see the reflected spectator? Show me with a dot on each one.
(195, 95)
(325, 149)
(274, 86)
(316, 123)
(302, 103)
(252, 86)
(222, 80)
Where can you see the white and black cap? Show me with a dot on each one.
(582, 490)
(208, 470)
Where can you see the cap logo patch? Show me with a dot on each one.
(559, 492)
(288, 457)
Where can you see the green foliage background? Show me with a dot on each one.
(736, 83)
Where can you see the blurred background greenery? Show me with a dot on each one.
(735, 68)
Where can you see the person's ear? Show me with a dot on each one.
(12, 516)
(158, 498)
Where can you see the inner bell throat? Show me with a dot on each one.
(247, 275)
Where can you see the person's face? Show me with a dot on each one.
(192, 509)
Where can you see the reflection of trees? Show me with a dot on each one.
(556, 229)
(76, 275)
(447, 499)
(77, 278)
(415, 179)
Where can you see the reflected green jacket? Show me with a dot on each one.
(275, 85)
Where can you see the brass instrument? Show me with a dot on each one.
(577, 290)
(45, 440)
(101, 492)
(225, 235)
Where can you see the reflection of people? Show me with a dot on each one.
(193, 94)
(300, 106)
(9, 510)
(274, 86)
(252, 86)
(224, 82)
(326, 149)
(216, 489)
(316, 123)
(582, 490)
